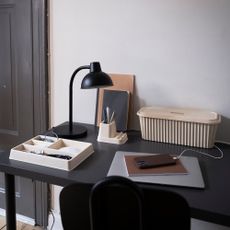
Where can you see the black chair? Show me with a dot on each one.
(74, 207)
(118, 203)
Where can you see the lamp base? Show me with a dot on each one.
(76, 132)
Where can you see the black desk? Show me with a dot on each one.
(211, 204)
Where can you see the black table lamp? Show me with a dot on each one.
(94, 79)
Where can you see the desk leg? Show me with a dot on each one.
(10, 202)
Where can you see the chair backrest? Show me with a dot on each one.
(165, 210)
(118, 203)
(74, 207)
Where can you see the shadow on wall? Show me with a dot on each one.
(139, 103)
(223, 131)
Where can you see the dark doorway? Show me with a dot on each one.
(23, 92)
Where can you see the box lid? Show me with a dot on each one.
(180, 114)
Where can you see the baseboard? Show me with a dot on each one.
(21, 218)
(54, 219)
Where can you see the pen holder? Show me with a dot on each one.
(107, 130)
(108, 134)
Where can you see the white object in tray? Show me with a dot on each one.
(183, 126)
(36, 149)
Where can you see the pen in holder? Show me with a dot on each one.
(108, 133)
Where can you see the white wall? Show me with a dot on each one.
(178, 50)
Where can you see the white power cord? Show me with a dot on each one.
(203, 153)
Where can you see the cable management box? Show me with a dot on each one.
(52, 152)
(183, 126)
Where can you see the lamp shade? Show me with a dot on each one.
(96, 78)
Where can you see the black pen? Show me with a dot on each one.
(105, 116)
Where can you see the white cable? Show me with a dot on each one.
(203, 153)
(53, 220)
(222, 142)
(50, 131)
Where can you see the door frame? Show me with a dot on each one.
(40, 84)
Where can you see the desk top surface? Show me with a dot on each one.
(210, 204)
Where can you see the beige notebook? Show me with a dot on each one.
(134, 170)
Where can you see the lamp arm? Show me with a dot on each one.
(71, 94)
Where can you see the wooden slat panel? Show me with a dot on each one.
(7, 78)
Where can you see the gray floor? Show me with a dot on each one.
(202, 225)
